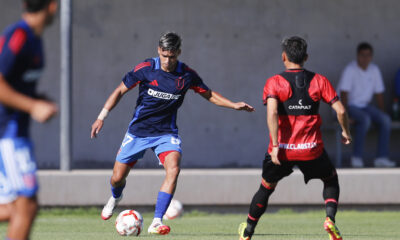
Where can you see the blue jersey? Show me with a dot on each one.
(21, 64)
(160, 95)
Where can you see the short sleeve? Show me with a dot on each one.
(379, 86)
(10, 47)
(270, 90)
(328, 93)
(346, 79)
(197, 83)
(137, 75)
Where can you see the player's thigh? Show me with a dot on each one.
(19, 167)
(272, 173)
(120, 171)
(319, 168)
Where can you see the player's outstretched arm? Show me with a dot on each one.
(40, 110)
(272, 122)
(111, 102)
(220, 100)
(343, 120)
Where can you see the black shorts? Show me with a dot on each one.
(320, 168)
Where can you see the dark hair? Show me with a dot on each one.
(295, 49)
(170, 41)
(36, 5)
(364, 46)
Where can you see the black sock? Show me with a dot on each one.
(257, 208)
(331, 196)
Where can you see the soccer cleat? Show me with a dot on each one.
(242, 227)
(158, 229)
(108, 209)
(333, 231)
(384, 162)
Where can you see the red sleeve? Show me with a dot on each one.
(321, 88)
(17, 41)
(276, 87)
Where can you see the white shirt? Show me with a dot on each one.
(361, 84)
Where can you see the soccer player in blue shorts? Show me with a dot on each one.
(163, 82)
(21, 64)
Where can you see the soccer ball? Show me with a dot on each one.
(174, 210)
(129, 223)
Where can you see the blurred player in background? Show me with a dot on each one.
(21, 64)
(163, 82)
(292, 99)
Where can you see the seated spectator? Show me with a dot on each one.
(360, 81)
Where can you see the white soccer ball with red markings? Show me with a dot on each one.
(129, 223)
(174, 210)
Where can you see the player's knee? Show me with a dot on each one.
(174, 171)
(117, 180)
(331, 181)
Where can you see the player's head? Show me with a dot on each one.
(169, 48)
(364, 54)
(46, 8)
(294, 50)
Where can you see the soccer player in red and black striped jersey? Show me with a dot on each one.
(292, 98)
(21, 65)
(163, 82)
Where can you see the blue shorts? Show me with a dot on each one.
(17, 169)
(134, 147)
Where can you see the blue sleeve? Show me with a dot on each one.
(137, 75)
(10, 47)
(198, 85)
(397, 84)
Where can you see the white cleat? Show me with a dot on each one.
(357, 162)
(158, 229)
(108, 209)
(384, 162)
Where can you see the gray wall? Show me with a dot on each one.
(232, 44)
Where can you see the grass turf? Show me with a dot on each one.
(86, 224)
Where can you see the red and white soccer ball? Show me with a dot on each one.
(174, 210)
(129, 223)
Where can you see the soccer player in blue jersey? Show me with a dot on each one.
(163, 83)
(21, 64)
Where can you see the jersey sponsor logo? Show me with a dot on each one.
(299, 146)
(162, 95)
(300, 106)
(179, 83)
(32, 75)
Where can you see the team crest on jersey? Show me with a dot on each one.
(179, 83)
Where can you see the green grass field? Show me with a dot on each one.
(86, 224)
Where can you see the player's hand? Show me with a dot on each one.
(346, 138)
(43, 110)
(243, 106)
(274, 155)
(96, 127)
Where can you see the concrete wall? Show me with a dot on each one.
(215, 187)
(233, 45)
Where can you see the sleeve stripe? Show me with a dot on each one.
(134, 85)
(198, 89)
(2, 41)
(17, 41)
(142, 65)
(335, 99)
